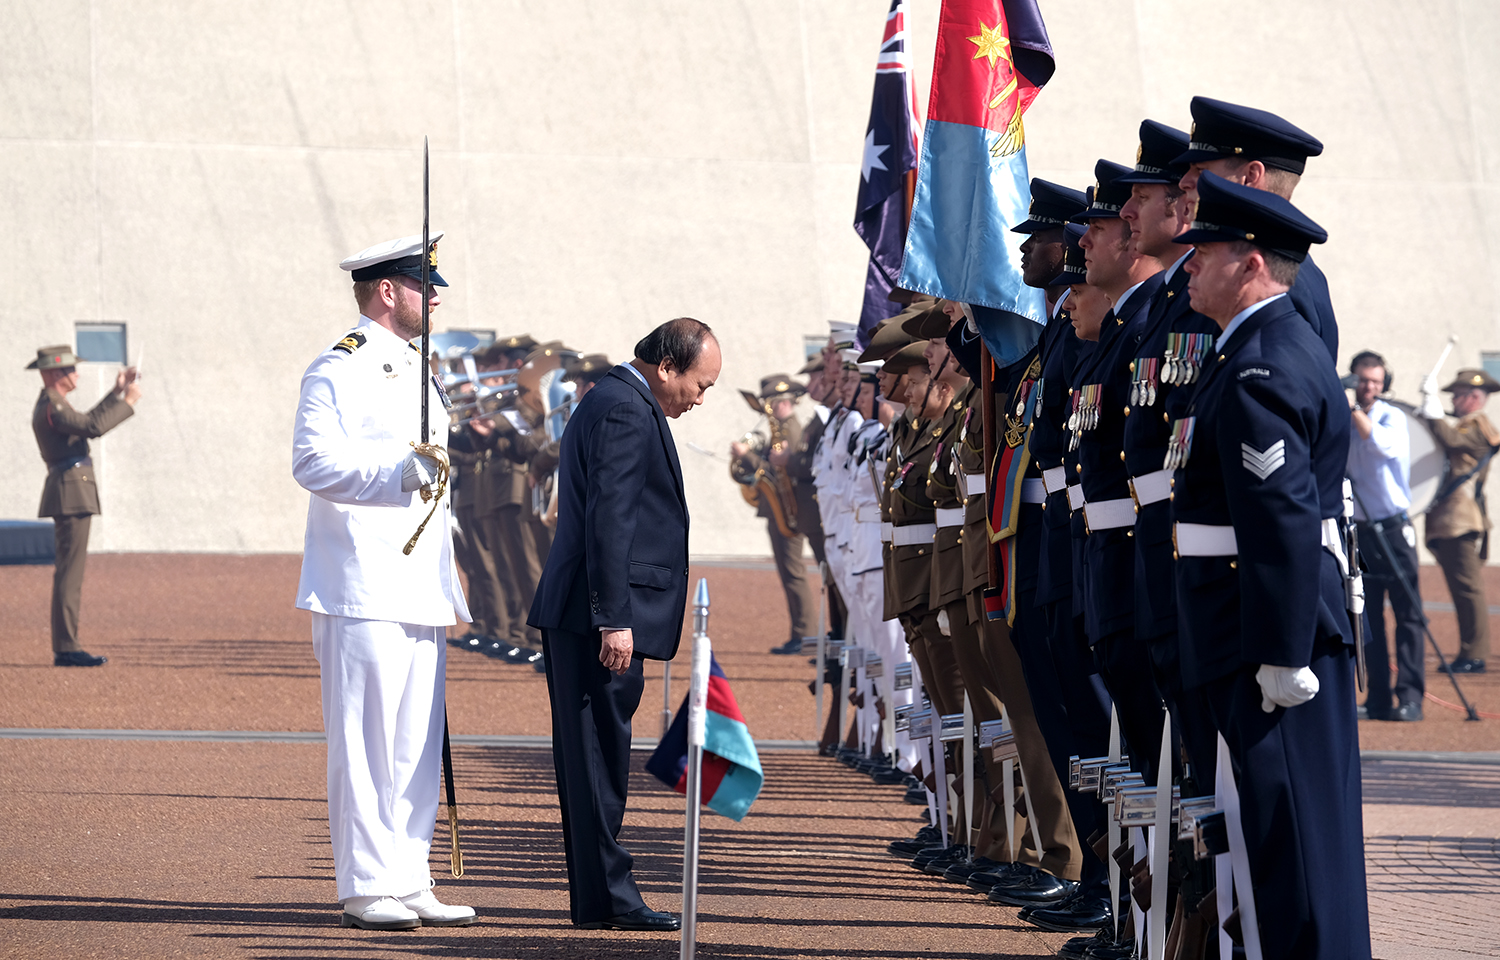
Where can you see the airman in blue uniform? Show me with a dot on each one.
(1258, 500)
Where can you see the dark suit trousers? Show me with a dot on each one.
(591, 712)
(1386, 570)
(792, 570)
(71, 535)
(1299, 784)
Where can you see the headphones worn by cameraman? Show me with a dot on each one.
(1371, 357)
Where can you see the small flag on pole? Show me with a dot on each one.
(992, 58)
(731, 767)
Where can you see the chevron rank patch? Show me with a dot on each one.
(351, 343)
(1265, 462)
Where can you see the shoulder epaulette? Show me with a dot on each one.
(351, 343)
(413, 345)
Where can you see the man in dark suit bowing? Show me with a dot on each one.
(613, 594)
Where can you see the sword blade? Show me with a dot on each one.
(426, 304)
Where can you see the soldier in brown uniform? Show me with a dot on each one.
(70, 496)
(1457, 524)
(466, 456)
(782, 393)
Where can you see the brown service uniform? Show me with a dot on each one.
(1458, 526)
(467, 456)
(70, 496)
(790, 566)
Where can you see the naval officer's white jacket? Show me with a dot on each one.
(357, 417)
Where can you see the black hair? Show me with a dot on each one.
(680, 340)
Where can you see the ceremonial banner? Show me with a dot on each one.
(731, 765)
(992, 58)
(889, 157)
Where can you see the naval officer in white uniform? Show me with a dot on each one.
(379, 617)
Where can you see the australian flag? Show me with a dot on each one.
(890, 153)
(731, 765)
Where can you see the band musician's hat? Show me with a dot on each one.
(1465, 379)
(930, 324)
(588, 368)
(911, 355)
(1228, 211)
(1111, 192)
(396, 258)
(53, 358)
(1156, 157)
(1223, 129)
(1052, 205)
(524, 342)
(551, 348)
(1074, 269)
(780, 385)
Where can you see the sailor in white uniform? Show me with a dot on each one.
(379, 616)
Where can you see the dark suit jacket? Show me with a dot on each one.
(62, 434)
(620, 556)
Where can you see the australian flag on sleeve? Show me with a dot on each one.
(992, 58)
(890, 154)
(731, 767)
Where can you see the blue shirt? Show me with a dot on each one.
(638, 375)
(1239, 318)
(1380, 467)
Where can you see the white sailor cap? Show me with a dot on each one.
(871, 367)
(842, 332)
(395, 258)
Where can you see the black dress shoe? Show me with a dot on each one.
(77, 658)
(1411, 710)
(983, 880)
(943, 857)
(890, 776)
(507, 652)
(916, 796)
(793, 646)
(1040, 888)
(1369, 711)
(641, 918)
(1466, 665)
(1118, 950)
(1074, 915)
(1078, 948)
(906, 849)
(961, 872)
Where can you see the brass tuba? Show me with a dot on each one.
(765, 480)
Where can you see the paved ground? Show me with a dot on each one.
(171, 847)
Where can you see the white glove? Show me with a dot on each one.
(1429, 385)
(1285, 686)
(1432, 407)
(945, 625)
(417, 472)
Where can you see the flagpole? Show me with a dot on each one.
(697, 721)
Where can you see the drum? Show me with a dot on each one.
(1429, 462)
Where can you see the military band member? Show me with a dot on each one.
(1263, 151)
(1379, 468)
(466, 460)
(781, 391)
(379, 617)
(1458, 524)
(1259, 457)
(70, 495)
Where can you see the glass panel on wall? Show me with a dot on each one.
(101, 342)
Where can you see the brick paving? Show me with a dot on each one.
(132, 848)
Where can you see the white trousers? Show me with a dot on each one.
(383, 715)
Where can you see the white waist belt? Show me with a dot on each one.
(1333, 542)
(913, 534)
(867, 513)
(1075, 496)
(950, 516)
(1033, 490)
(1054, 480)
(885, 532)
(1204, 540)
(1151, 487)
(973, 484)
(1109, 514)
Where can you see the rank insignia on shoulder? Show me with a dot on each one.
(1255, 373)
(351, 343)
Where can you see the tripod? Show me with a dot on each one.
(1411, 593)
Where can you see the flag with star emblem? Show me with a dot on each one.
(890, 156)
(992, 58)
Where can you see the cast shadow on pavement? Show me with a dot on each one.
(1421, 784)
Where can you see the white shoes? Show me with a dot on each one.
(379, 913)
(420, 909)
(435, 913)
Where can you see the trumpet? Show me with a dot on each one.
(451, 380)
(483, 402)
(766, 482)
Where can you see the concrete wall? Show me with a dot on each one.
(199, 170)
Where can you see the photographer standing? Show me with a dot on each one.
(1380, 467)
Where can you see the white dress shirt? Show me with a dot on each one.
(1381, 466)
